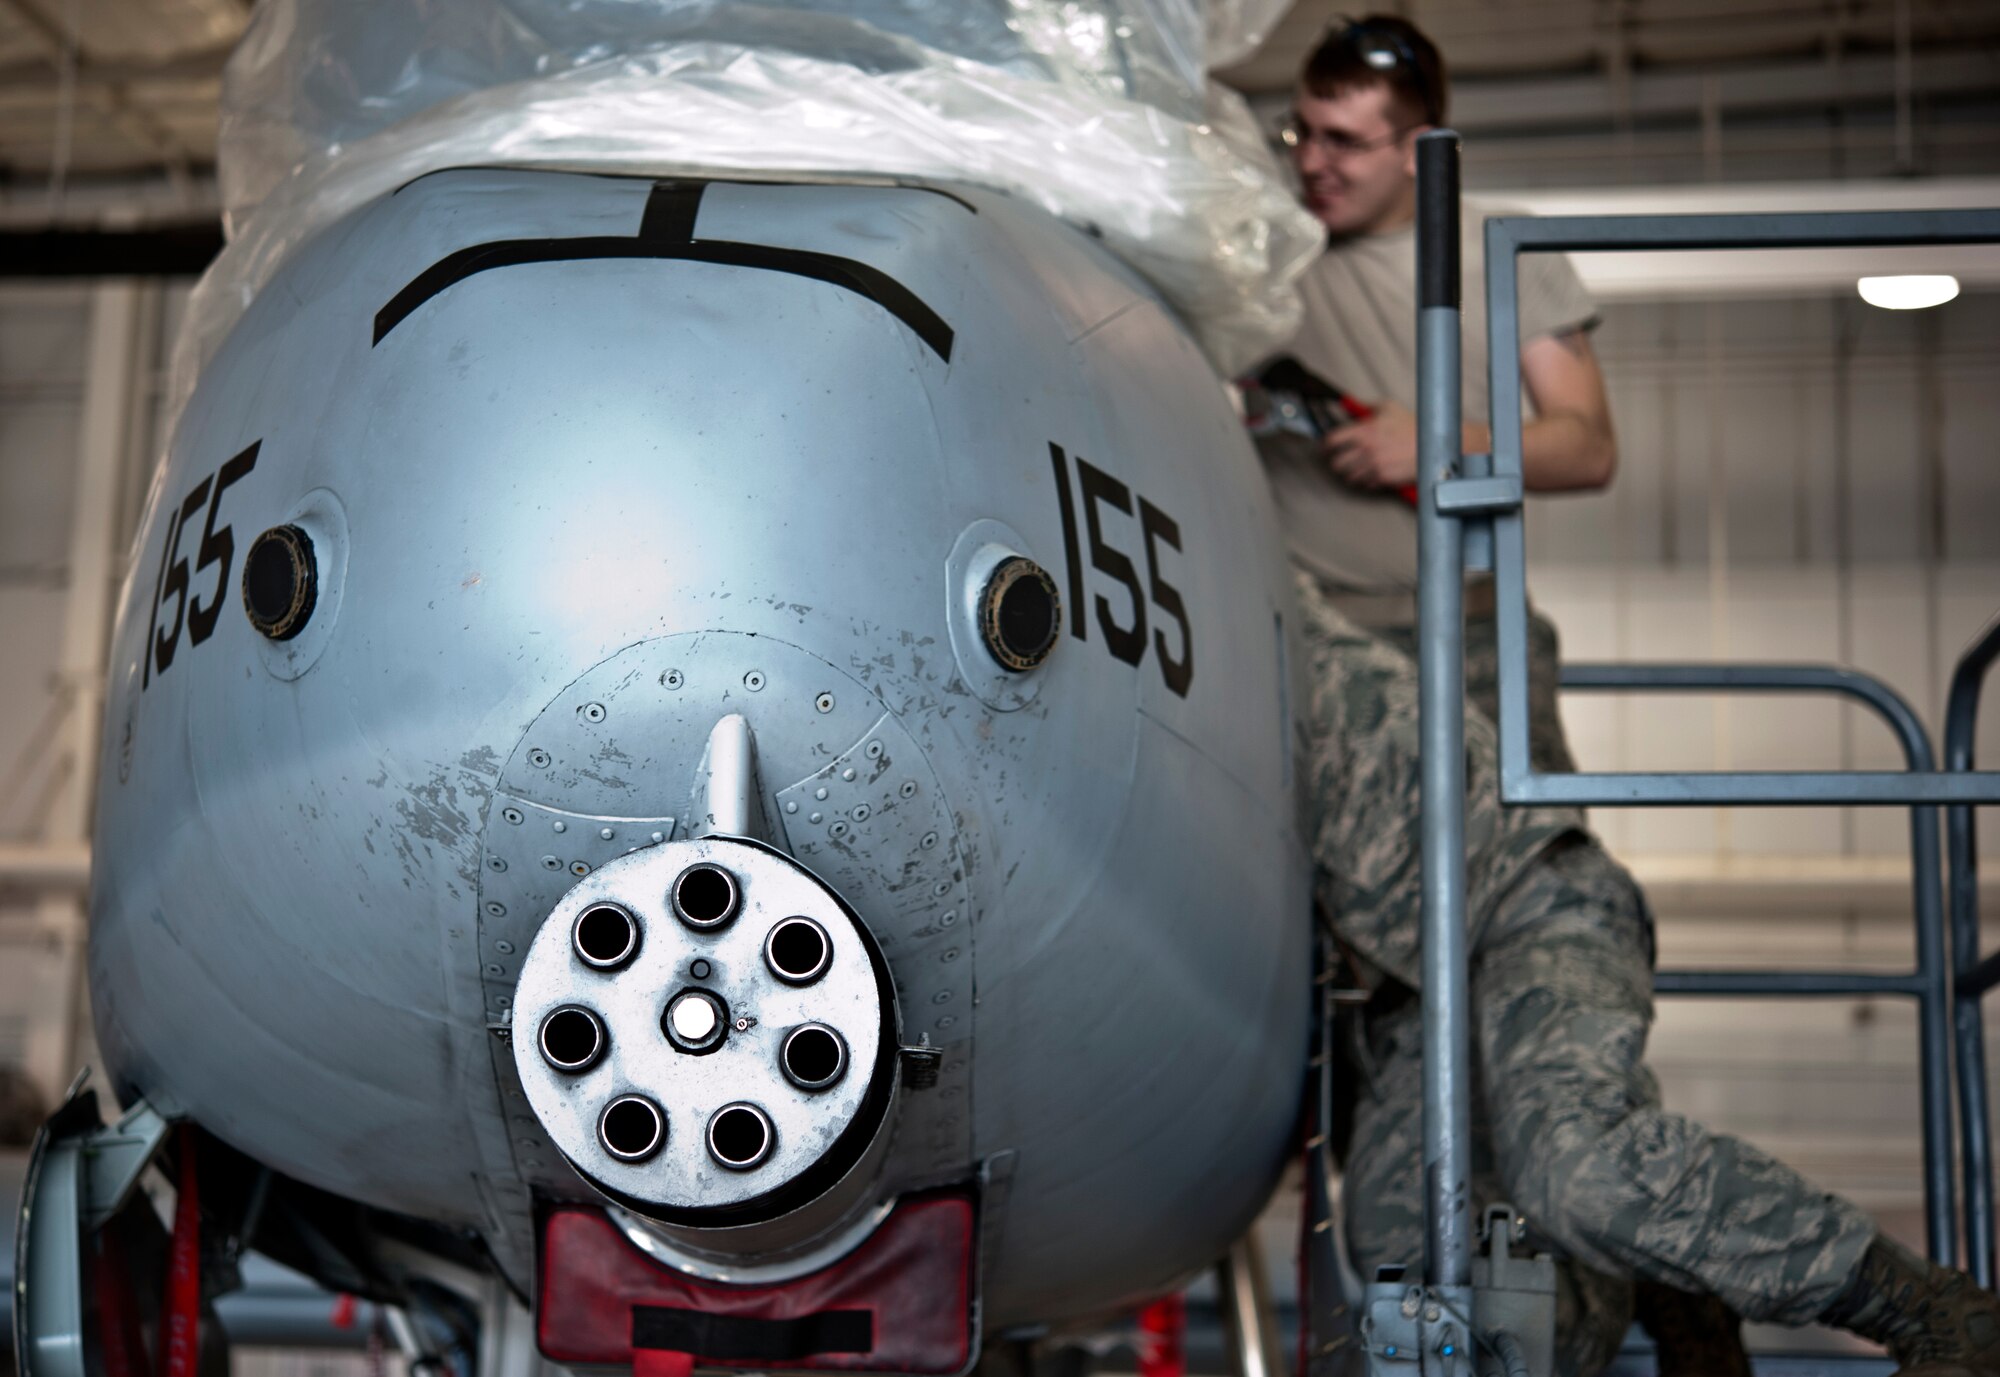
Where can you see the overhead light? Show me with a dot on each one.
(1909, 292)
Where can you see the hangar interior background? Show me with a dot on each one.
(1803, 477)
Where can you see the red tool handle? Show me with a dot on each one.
(1361, 411)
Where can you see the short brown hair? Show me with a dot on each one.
(1381, 50)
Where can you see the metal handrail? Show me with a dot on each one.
(1495, 496)
(1476, 501)
(1929, 984)
(1972, 976)
(1488, 498)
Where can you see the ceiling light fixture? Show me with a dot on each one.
(1908, 292)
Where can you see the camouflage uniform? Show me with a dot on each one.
(1568, 1125)
(1548, 748)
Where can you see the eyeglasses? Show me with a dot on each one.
(1332, 142)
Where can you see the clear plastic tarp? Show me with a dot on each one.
(1100, 111)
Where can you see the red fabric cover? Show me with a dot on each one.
(913, 1275)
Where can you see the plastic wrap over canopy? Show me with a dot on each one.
(1099, 111)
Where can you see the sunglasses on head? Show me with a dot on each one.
(1383, 48)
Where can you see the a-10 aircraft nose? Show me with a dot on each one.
(715, 706)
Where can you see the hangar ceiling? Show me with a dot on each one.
(1515, 38)
(95, 87)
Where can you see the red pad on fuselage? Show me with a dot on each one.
(900, 1302)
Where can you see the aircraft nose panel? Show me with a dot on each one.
(607, 772)
(705, 1031)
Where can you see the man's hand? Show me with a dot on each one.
(1379, 452)
(1569, 445)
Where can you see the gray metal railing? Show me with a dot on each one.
(1496, 498)
(1929, 984)
(1478, 508)
(1972, 976)
(1495, 501)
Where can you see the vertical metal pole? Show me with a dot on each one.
(1441, 725)
(1976, 1162)
(1961, 721)
(1249, 1310)
(1934, 1021)
(1510, 560)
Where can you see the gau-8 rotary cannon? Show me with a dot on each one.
(702, 1005)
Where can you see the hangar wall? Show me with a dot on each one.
(46, 359)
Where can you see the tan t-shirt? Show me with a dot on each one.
(1360, 334)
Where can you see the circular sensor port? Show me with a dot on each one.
(632, 1128)
(280, 582)
(572, 1039)
(798, 951)
(741, 1136)
(695, 1021)
(813, 1056)
(1020, 614)
(605, 937)
(705, 896)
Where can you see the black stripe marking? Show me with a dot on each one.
(928, 190)
(670, 213)
(743, 1338)
(666, 231)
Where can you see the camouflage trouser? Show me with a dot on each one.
(1548, 748)
(1568, 1124)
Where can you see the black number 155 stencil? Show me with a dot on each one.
(217, 549)
(1124, 636)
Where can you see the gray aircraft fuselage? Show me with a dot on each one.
(586, 465)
